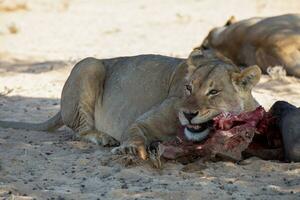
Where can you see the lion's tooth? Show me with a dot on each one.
(194, 126)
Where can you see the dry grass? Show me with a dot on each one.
(13, 6)
(13, 29)
(276, 73)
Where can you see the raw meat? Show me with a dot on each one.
(230, 136)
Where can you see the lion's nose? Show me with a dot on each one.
(190, 115)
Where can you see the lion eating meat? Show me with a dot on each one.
(265, 42)
(140, 99)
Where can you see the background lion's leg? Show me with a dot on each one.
(278, 57)
(82, 89)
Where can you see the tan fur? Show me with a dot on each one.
(137, 100)
(266, 42)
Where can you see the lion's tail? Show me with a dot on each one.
(51, 124)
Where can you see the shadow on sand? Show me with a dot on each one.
(33, 67)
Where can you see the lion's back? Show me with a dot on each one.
(281, 31)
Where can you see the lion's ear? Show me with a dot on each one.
(194, 58)
(230, 21)
(246, 79)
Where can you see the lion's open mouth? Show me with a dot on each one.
(198, 132)
(196, 128)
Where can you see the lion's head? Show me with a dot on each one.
(214, 85)
(212, 38)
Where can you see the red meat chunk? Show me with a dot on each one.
(230, 136)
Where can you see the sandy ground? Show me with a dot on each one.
(40, 40)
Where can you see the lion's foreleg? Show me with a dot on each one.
(159, 123)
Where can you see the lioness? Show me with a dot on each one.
(263, 41)
(140, 99)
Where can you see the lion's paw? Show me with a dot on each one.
(131, 149)
(100, 139)
(107, 140)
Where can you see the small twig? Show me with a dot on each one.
(6, 91)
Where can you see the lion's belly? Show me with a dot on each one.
(131, 88)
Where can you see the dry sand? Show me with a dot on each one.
(40, 40)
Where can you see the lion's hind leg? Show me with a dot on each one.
(80, 93)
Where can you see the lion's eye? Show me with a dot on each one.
(189, 88)
(213, 92)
